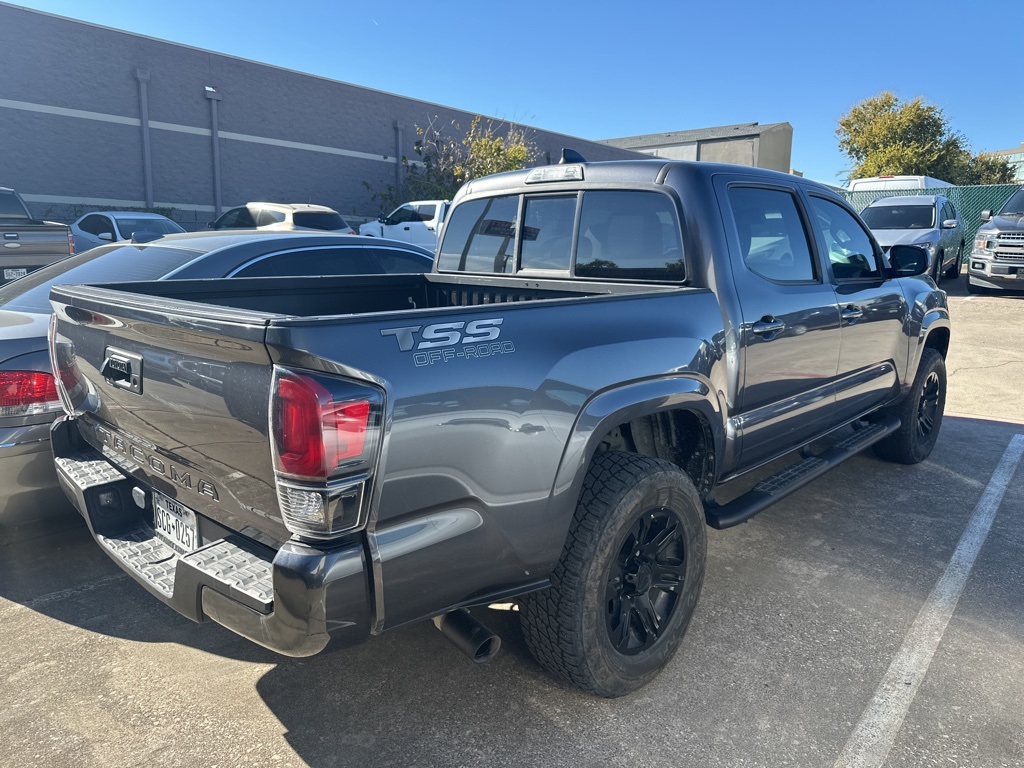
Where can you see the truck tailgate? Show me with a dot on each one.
(27, 247)
(193, 423)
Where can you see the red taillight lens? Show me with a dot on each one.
(71, 243)
(313, 433)
(27, 392)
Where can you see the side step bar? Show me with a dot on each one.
(778, 486)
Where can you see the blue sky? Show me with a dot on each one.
(600, 69)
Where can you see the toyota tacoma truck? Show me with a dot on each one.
(547, 419)
(26, 244)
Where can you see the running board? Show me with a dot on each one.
(779, 486)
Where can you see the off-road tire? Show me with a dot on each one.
(954, 271)
(920, 413)
(569, 626)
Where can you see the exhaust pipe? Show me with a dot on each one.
(469, 635)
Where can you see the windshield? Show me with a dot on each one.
(160, 226)
(105, 264)
(1015, 204)
(899, 216)
(313, 220)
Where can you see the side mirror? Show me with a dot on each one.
(109, 237)
(908, 260)
(949, 224)
(986, 215)
(209, 225)
(382, 219)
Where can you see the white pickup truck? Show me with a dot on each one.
(418, 222)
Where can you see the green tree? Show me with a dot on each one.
(885, 136)
(446, 157)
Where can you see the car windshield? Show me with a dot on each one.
(106, 264)
(160, 226)
(1015, 204)
(318, 220)
(899, 216)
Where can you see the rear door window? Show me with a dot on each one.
(771, 234)
(268, 216)
(312, 261)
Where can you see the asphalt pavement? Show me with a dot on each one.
(874, 618)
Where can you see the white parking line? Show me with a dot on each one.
(870, 742)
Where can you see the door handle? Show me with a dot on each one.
(405, 228)
(769, 327)
(851, 313)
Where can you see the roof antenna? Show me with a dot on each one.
(571, 156)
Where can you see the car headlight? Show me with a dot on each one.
(929, 244)
(985, 241)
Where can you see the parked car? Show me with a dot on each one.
(26, 244)
(417, 222)
(997, 258)
(101, 227)
(28, 399)
(879, 183)
(285, 217)
(927, 221)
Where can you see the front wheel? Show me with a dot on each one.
(920, 413)
(627, 583)
(954, 271)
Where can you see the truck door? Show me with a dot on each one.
(873, 311)
(789, 337)
(399, 223)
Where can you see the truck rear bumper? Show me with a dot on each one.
(294, 601)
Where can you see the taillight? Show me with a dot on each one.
(325, 436)
(71, 243)
(24, 393)
(315, 434)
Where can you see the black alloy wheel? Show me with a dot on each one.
(645, 581)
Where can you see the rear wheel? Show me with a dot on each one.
(920, 414)
(954, 271)
(627, 583)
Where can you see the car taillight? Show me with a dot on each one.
(71, 243)
(24, 393)
(325, 436)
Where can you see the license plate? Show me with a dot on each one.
(11, 274)
(175, 523)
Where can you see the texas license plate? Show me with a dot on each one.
(12, 274)
(175, 523)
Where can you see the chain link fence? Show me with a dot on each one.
(969, 201)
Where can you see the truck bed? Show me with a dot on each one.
(345, 295)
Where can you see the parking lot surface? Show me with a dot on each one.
(875, 617)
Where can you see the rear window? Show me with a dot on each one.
(623, 235)
(480, 236)
(106, 264)
(311, 220)
(629, 236)
(11, 207)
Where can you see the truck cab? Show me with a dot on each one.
(418, 222)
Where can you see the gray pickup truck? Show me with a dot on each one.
(26, 244)
(997, 258)
(546, 418)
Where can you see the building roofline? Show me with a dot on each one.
(735, 131)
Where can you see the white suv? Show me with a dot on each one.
(283, 216)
